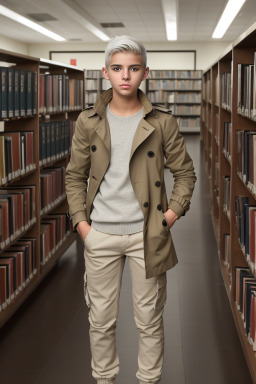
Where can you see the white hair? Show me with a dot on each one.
(125, 44)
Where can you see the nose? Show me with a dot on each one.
(125, 74)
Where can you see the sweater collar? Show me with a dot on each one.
(100, 106)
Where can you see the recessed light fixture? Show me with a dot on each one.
(228, 15)
(170, 10)
(28, 23)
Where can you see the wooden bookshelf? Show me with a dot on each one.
(74, 103)
(179, 91)
(222, 119)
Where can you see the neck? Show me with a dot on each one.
(124, 106)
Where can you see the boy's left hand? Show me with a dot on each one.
(170, 217)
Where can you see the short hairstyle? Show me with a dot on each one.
(125, 44)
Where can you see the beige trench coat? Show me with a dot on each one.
(157, 137)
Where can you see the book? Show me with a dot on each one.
(8, 262)
(15, 168)
(52, 187)
(3, 286)
(245, 92)
(26, 261)
(241, 204)
(4, 224)
(16, 92)
(3, 177)
(11, 88)
(9, 199)
(240, 273)
(22, 93)
(32, 243)
(34, 93)
(4, 92)
(227, 255)
(19, 263)
(226, 90)
(253, 113)
(28, 93)
(252, 331)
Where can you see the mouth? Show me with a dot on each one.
(125, 86)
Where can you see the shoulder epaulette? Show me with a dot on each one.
(162, 109)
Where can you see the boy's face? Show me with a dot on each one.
(126, 71)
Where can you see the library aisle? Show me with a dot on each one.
(46, 341)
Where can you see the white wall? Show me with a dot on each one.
(13, 45)
(207, 53)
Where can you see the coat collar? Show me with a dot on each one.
(102, 128)
(100, 106)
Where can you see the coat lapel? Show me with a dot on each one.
(143, 131)
(102, 129)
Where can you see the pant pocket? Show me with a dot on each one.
(161, 292)
(88, 235)
(86, 295)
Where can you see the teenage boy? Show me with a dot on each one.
(121, 146)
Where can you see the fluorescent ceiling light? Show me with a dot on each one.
(170, 9)
(228, 15)
(28, 23)
(84, 18)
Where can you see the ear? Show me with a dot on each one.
(146, 73)
(105, 73)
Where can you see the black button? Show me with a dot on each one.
(145, 204)
(164, 222)
(93, 147)
(151, 154)
(157, 183)
(159, 207)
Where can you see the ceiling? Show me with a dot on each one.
(141, 18)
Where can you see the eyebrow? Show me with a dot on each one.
(120, 65)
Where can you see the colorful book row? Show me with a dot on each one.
(189, 122)
(91, 84)
(18, 92)
(55, 139)
(175, 74)
(226, 91)
(245, 214)
(246, 302)
(246, 92)
(16, 155)
(17, 212)
(54, 230)
(59, 93)
(185, 109)
(246, 158)
(52, 188)
(17, 268)
(178, 85)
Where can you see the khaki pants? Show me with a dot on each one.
(104, 261)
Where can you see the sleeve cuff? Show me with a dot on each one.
(77, 217)
(177, 208)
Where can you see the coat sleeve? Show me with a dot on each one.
(180, 164)
(77, 173)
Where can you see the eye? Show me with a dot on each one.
(116, 69)
(134, 69)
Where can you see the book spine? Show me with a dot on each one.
(4, 93)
